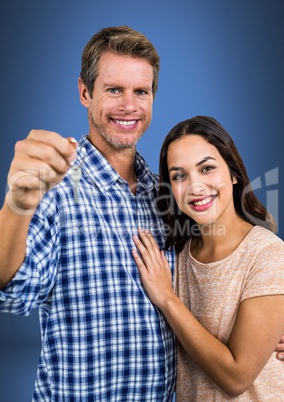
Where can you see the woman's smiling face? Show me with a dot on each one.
(200, 180)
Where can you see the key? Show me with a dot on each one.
(76, 174)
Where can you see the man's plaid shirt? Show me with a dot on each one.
(102, 339)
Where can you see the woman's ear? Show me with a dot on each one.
(234, 181)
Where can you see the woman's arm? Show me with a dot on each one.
(257, 329)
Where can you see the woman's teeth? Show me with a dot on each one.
(204, 201)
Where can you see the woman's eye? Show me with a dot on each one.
(207, 168)
(178, 176)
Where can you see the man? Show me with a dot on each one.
(102, 339)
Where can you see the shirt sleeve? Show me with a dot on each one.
(266, 276)
(35, 278)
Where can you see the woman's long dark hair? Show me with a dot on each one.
(179, 226)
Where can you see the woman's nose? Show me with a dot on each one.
(197, 188)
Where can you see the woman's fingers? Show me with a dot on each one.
(148, 248)
(153, 267)
(140, 264)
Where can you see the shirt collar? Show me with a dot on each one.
(97, 170)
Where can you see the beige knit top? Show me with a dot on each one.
(213, 293)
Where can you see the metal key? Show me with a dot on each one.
(76, 173)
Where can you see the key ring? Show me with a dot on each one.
(83, 150)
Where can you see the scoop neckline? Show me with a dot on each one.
(247, 236)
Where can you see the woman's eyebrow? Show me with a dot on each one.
(205, 159)
(174, 168)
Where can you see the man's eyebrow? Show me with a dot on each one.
(111, 85)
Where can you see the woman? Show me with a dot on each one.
(228, 306)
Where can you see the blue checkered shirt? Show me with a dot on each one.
(102, 339)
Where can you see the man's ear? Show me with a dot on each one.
(83, 93)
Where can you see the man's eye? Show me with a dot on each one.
(140, 92)
(113, 90)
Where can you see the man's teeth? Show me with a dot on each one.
(204, 201)
(126, 123)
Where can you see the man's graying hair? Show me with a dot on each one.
(120, 40)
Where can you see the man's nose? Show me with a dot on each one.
(128, 103)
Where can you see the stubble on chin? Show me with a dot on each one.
(117, 142)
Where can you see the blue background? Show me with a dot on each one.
(221, 58)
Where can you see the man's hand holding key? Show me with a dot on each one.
(40, 162)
